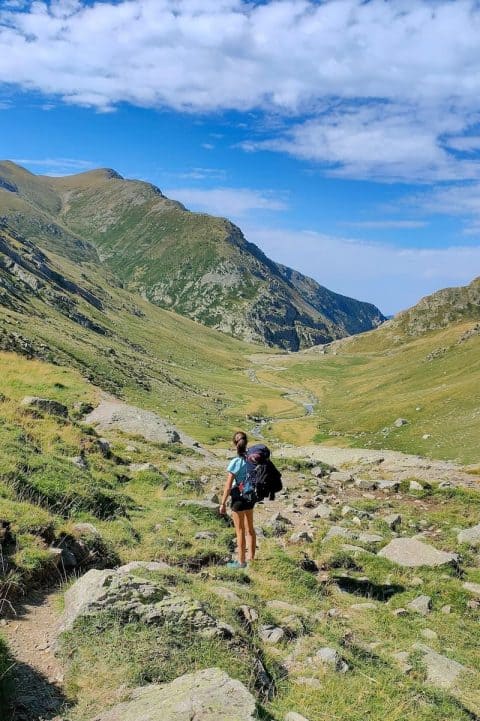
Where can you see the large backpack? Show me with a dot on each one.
(263, 478)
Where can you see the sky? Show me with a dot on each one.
(342, 136)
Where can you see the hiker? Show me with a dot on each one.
(242, 509)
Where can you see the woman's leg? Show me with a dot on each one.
(251, 535)
(239, 523)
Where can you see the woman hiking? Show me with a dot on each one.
(242, 509)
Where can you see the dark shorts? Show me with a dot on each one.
(241, 505)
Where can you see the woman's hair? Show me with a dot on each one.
(240, 441)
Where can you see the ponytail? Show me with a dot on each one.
(240, 441)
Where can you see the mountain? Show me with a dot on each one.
(440, 309)
(196, 264)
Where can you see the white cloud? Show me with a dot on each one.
(383, 84)
(393, 278)
(227, 202)
(387, 224)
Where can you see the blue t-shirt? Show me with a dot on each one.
(238, 466)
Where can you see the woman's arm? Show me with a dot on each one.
(226, 492)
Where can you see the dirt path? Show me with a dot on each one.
(37, 673)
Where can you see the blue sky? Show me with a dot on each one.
(342, 136)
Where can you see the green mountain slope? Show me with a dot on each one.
(196, 264)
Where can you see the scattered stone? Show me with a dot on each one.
(105, 447)
(271, 634)
(143, 566)
(80, 462)
(413, 553)
(321, 511)
(279, 518)
(429, 634)
(293, 716)
(354, 549)
(470, 536)
(370, 538)
(426, 436)
(341, 477)
(393, 521)
(226, 594)
(446, 609)
(205, 536)
(318, 472)
(45, 405)
(339, 532)
(307, 681)
(415, 486)
(204, 696)
(400, 612)
(421, 604)
(442, 672)
(402, 658)
(416, 581)
(287, 608)
(210, 505)
(366, 485)
(301, 537)
(330, 657)
(400, 422)
(248, 615)
(393, 486)
(472, 587)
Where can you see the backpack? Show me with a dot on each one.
(263, 478)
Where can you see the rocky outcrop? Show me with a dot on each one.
(134, 598)
(208, 695)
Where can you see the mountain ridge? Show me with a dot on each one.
(195, 264)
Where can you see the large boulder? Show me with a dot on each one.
(137, 599)
(412, 553)
(208, 695)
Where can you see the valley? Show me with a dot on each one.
(116, 416)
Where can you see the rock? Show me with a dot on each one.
(400, 612)
(271, 634)
(442, 672)
(206, 695)
(248, 615)
(366, 484)
(143, 566)
(446, 609)
(413, 553)
(354, 549)
(205, 536)
(301, 537)
(426, 436)
(393, 521)
(421, 604)
(132, 598)
(293, 716)
(112, 414)
(210, 505)
(389, 486)
(429, 634)
(278, 518)
(330, 657)
(318, 472)
(104, 447)
(339, 532)
(400, 422)
(470, 536)
(46, 405)
(80, 462)
(415, 486)
(402, 658)
(341, 477)
(472, 587)
(226, 594)
(370, 538)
